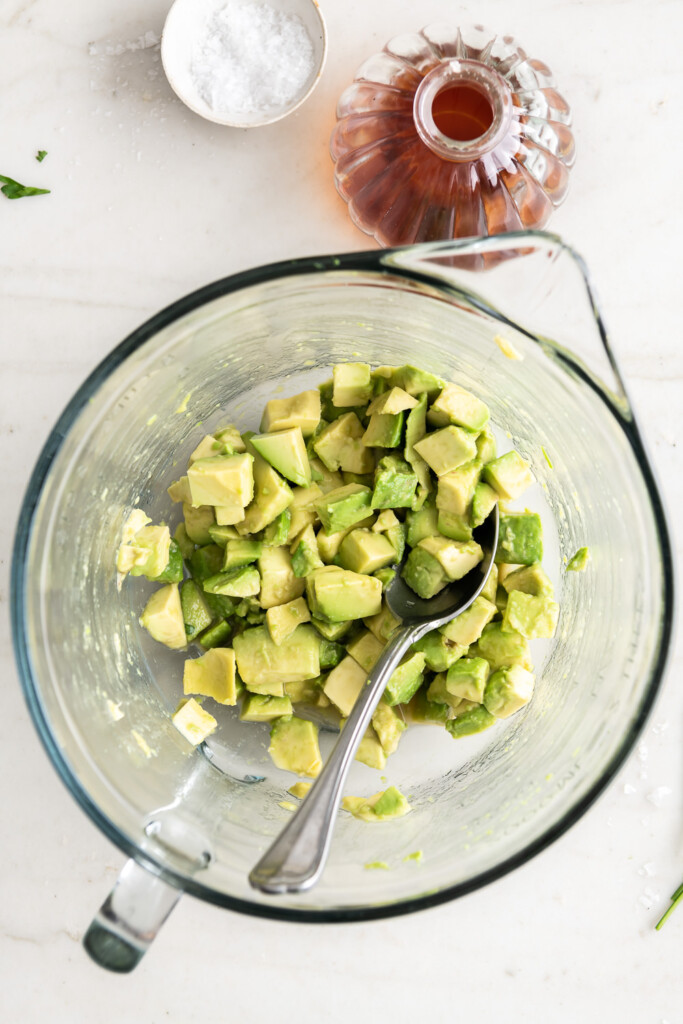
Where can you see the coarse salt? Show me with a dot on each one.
(251, 59)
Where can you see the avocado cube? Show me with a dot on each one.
(384, 430)
(383, 624)
(206, 561)
(455, 490)
(329, 480)
(520, 538)
(209, 446)
(415, 381)
(285, 450)
(260, 661)
(294, 746)
(405, 679)
(502, 648)
(458, 406)
(197, 523)
(391, 402)
(363, 551)
(215, 636)
(305, 557)
(509, 688)
(183, 541)
(344, 683)
(212, 675)
(467, 679)
(530, 579)
(220, 535)
(174, 571)
(365, 649)
(456, 558)
(395, 483)
(370, 751)
(162, 617)
(301, 411)
(422, 710)
(579, 561)
(455, 527)
(278, 582)
(440, 652)
(283, 619)
(421, 524)
(241, 552)
(473, 720)
(230, 436)
(388, 725)
(446, 449)
(486, 446)
(196, 614)
(229, 515)
(509, 475)
(533, 617)
(194, 722)
(343, 507)
(381, 807)
(385, 576)
(329, 543)
(351, 384)
(258, 707)
(490, 588)
(242, 582)
(329, 411)
(222, 480)
(277, 533)
(467, 627)
(338, 594)
(438, 693)
(272, 495)
(483, 502)
(179, 490)
(268, 689)
(416, 428)
(424, 573)
(385, 521)
(332, 630)
(304, 691)
(146, 553)
(331, 654)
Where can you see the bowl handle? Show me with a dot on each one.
(129, 919)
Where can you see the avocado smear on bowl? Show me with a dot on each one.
(288, 539)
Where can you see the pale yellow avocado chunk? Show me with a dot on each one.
(351, 384)
(456, 557)
(272, 495)
(364, 551)
(344, 683)
(370, 751)
(260, 661)
(508, 689)
(147, 553)
(285, 450)
(389, 803)
(459, 406)
(329, 543)
(179, 490)
(194, 722)
(468, 627)
(229, 515)
(301, 411)
(163, 617)
(386, 520)
(208, 447)
(222, 480)
(294, 746)
(391, 402)
(446, 449)
(389, 726)
(365, 649)
(455, 490)
(337, 594)
(212, 675)
(260, 708)
(279, 585)
(283, 619)
(197, 522)
(340, 446)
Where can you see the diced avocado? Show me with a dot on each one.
(415, 381)
(446, 449)
(363, 551)
(421, 709)
(344, 683)
(467, 627)
(285, 450)
(305, 691)
(196, 614)
(294, 746)
(340, 446)
(520, 538)
(261, 661)
(305, 557)
(424, 573)
(383, 806)
(212, 675)
(241, 552)
(173, 573)
(365, 649)
(385, 521)
(483, 502)
(278, 582)
(467, 679)
(283, 619)
(301, 411)
(531, 616)
(456, 557)
(366, 479)
(391, 402)
(338, 594)
(329, 543)
(194, 722)
(473, 720)
(388, 724)
(460, 407)
(385, 576)
(456, 489)
(206, 561)
(509, 475)
(267, 689)
(163, 617)
(351, 384)
(300, 519)
(220, 535)
(329, 411)
(249, 608)
(304, 498)
(384, 430)
(396, 536)
(530, 579)
(229, 515)
(501, 648)
(421, 524)
(215, 636)
(456, 527)
(220, 606)
(486, 446)
(509, 688)
(415, 430)
(490, 588)
(331, 654)
(343, 507)
(405, 679)
(332, 630)
(197, 523)
(370, 751)
(501, 599)
(272, 495)
(183, 541)
(179, 490)
(277, 532)
(146, 553)
(329, 480)
(222, 480)
(258, 707)
(395, 483)
(579, 561)
(209, 446)
(383, 624)
(440, 652)
(438, 693)
(230, 436)
(242, 582)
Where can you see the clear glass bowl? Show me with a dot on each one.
(100, 690)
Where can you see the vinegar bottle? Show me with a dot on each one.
(451, 133)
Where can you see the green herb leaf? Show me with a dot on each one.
(675, 900)
(13, 190)
(40, 155)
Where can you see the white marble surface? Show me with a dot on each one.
(150, 202)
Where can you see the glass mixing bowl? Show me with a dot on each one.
(101, 691)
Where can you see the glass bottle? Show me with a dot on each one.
(451, 133)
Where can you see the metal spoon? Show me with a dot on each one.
(296, 859)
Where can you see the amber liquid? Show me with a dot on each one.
(462, 113)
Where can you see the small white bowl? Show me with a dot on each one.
(183, 29)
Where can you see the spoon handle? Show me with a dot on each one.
(296, 859)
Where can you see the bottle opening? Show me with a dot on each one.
(461, 112)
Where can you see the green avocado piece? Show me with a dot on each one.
(440, 652)
(206, 561)
(467, 627)
(533, 617)
(183, 541)
(332, 630)
(277, 532)
(455, 489)
(520, 538)
(396, 535)
(502, 648)
(483, 502)
(509, 475)
(198, 521)
(385, 576)
(421, 524)
(508, 689)
(391, 401)
(220, 535)
(278, 582)
(220, 606)
(216, 635)
(416, 428)
(370, 751)
(222, 480)
(351, 384)
(365, 649)
(415, 381)
(338, 594)
(447, 449)
(343, 507)
(258, 707)
(455, 527)
(384, 430)
(283, 619)
(305, 557)
(344, 683)
(530, 579)
(285, 450)
(301, 411)
(389, 725)
(406, 679)
(329, 411)
(470, 721)
(421, 709)
(294, 746)
(579, 561)
(458, 406)
(163, 617)
(146, 553)
(424, 573)
(490, 588)
(331, 654)
(456, 558)
(383, 624)
(486, 446)
(391, 804)
(467, 678)
(438, 693)
(272, 495)
(260, 661)
(241, 552)
(212, 675)
(363, 551)
(395, 483)
(241, 582)
(173, 573)
(196, 614)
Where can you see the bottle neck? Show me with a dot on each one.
(462, 109)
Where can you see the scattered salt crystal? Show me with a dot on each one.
(648, 870)
(252, 59)
(657, 795)
(650, 898)
(629, 789)
(659, 727)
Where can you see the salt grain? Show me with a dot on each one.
(252, 59)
